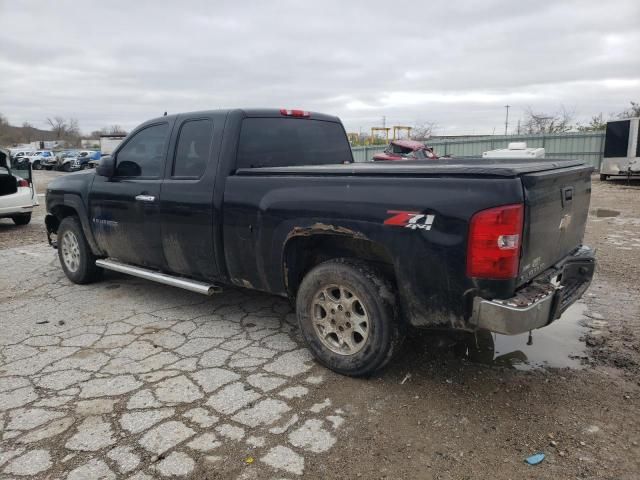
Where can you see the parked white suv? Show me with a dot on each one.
(42, 158)
(17, 192)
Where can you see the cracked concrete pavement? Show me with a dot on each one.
(128, 379)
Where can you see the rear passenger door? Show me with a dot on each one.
(186, 205)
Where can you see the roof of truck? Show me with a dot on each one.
(249, 112)
(504, 167)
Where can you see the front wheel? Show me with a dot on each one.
(37, 165)
(66, 167)
(76, 258)
(347, 314)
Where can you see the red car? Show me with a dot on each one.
(406, 150)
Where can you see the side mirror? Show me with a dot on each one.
(106, 167)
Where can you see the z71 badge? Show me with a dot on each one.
(412, 220)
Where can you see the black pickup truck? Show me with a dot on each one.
(271, 200)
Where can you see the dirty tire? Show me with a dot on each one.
(66, 167)
(86, 270)
(23, 219)
(378, 299)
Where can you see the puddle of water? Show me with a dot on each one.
(604, 212)
(557, 345)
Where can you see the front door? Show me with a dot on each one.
(125, 209)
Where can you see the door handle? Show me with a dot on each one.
(145, 198)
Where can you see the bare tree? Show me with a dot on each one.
(422, 130)
(539, 122)
(116, 129)
(58, 126)
(27, 132)
(73, 128)
(111, 130)
(5, 133)
(632, 111)
(596, 124)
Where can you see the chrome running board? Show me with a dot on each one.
(180, 282)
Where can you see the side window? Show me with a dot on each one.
(192, 150)
(142, 155)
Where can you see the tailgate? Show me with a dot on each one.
(556, 210)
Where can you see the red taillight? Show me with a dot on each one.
(294, 113)
(494, 242)
(22, 183)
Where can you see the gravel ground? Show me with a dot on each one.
(128, 379)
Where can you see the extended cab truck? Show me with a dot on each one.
(271, 200)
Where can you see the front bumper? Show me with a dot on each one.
(542, 301)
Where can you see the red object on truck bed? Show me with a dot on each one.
(406, 150)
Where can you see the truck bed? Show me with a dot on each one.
(505, 167)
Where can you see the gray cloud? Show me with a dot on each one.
(454, 63)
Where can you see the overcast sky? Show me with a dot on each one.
(456, 63)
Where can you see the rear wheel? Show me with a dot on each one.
(22, 219)
(76, 258)
(37, 165)
(347, 314)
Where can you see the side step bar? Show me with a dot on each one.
(180, 282)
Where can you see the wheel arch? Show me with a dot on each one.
(303, 252)
(72, 206)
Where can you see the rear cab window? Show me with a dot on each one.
(279, 142)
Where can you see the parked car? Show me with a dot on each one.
(41, 158)
(406, 150)
(17, 192)
(77, 160)
(19, 153)
(271, 200)
(95, 161)
(85, 157)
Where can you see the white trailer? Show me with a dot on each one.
(108, 143)
(621, 148)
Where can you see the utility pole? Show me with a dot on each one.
(384, 121)
(518, 126)
(506, 120)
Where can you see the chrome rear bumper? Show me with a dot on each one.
(540, 302)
